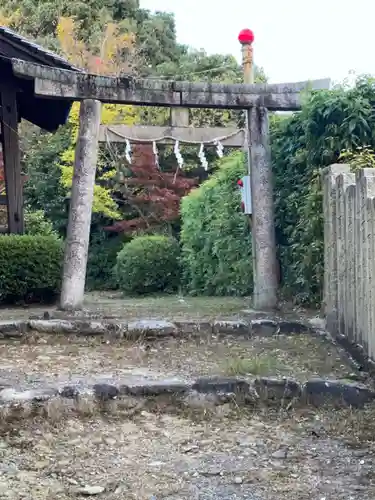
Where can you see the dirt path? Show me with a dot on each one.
(306, 455)
(158, 449)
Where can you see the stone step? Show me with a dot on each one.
(212, 390)
(149, 328)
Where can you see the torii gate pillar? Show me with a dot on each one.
(265, 274)
(78, 235)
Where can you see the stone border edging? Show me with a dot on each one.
(150, 329)
(362, 362)
(217, 390)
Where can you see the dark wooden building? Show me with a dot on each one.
(17, 102)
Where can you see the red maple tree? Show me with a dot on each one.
(151, 196)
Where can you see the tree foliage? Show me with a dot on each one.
(111, 61)
(329, 123)
(110, 37)
(151, 195)
(215, 235)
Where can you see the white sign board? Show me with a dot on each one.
(246, 195)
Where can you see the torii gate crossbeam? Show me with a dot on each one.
(65, 84)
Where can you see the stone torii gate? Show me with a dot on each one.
(92, 90)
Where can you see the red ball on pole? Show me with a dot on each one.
(246, 36)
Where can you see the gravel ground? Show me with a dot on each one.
(161, 455)
(153, 450)
(58, 359)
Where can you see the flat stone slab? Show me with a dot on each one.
(318, 392)
(12, 328)
(159, 328)
(276, 389)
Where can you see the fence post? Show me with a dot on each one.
(365, 187)
(371, 206)
(330, 294)
(350, 274)
(343, 182)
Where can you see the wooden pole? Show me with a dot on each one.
(11, 157)
(259, 168)
(78, 234)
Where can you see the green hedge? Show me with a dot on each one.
(149, 264)
(30, 268)
(215, 235)
(329, 123)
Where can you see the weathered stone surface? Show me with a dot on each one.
(205, 392)
(264, 327)
(69, 392)
(10, 329)
(239, 327)
(78, 327)
(193, 327)
(105, 392)
(200, 400)
(11, 395)
(221, 384)
(151, 328)
(349, 242)
(128, 90)
(270, 388)
(91, 490)
(319, 392)
(53, 326)
(293, 327)
(235, 138)
(317, 323)
(81, 198)
(155, 388)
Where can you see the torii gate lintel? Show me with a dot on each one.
(65, 84)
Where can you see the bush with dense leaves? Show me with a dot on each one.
(149, 264)
(215, 235)
(330, 122)
(36, 224)
(30, 268)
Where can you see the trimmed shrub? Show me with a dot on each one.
(215, 235)
(30, 268)
(36, 223)
(149, 264)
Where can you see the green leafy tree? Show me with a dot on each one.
(329, 123)
(215, 235)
